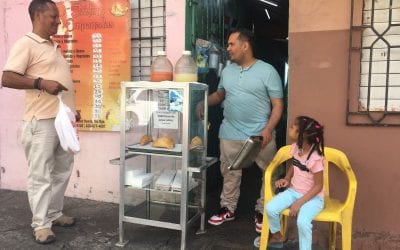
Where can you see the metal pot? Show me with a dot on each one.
(247, 154)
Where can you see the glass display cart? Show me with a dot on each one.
(163, 155)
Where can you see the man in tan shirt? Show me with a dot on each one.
(36, 65)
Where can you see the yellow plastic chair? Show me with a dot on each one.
(334, 211)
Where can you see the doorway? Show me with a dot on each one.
(212, 20)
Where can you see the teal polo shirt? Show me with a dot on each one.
(247, 105)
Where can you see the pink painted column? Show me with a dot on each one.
(175, 29)
(14, 23)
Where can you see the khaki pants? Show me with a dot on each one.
(49, 170)
(232, 178)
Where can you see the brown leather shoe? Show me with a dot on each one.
(64, 221)
(44, 236)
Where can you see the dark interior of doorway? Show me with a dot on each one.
(269, 21)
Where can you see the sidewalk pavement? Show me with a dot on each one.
(97, 226)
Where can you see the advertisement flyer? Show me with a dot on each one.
(95, 38)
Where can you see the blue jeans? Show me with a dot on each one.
(304, 218)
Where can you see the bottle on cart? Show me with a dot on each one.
(213, 58)
(161, 68)
(185, 68)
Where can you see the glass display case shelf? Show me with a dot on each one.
(172, 188)
(148, 149)
(172, 180)
(128, 155)
(159, 215)
(209, 162)
(151, 187)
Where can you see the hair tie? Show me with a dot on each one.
(317, 139)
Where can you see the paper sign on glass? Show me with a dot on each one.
(165, 119)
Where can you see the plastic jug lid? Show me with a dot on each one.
(161, 53)
(187, 52)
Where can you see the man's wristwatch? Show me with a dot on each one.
(36, 83)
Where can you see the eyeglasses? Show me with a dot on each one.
(298, 164)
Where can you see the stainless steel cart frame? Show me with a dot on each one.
(185, 155)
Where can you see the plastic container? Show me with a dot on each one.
(185, 68)
(161, 68)
(213, 59)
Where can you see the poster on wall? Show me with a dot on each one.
(95, 38)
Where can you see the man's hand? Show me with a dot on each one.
(200, 110)
(266, 133)
(52, 87)
(78, 116)
(215, 98)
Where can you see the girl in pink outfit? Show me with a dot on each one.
(304, 180)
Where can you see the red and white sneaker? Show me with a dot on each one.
(258, 218)
(223, 215)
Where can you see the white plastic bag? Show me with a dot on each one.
(65, 124)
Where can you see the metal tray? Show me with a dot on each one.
(247, 154)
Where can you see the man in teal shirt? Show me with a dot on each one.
(251, 94)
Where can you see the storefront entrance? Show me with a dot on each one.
(211, 20)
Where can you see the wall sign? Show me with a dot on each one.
(95, 38)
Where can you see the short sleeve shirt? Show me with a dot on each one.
(33, 57)
(303, 178)
(247, 104)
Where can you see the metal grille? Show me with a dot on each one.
(148, 35)
(375, 52)
(209, 22)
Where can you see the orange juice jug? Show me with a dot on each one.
(161, 68)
